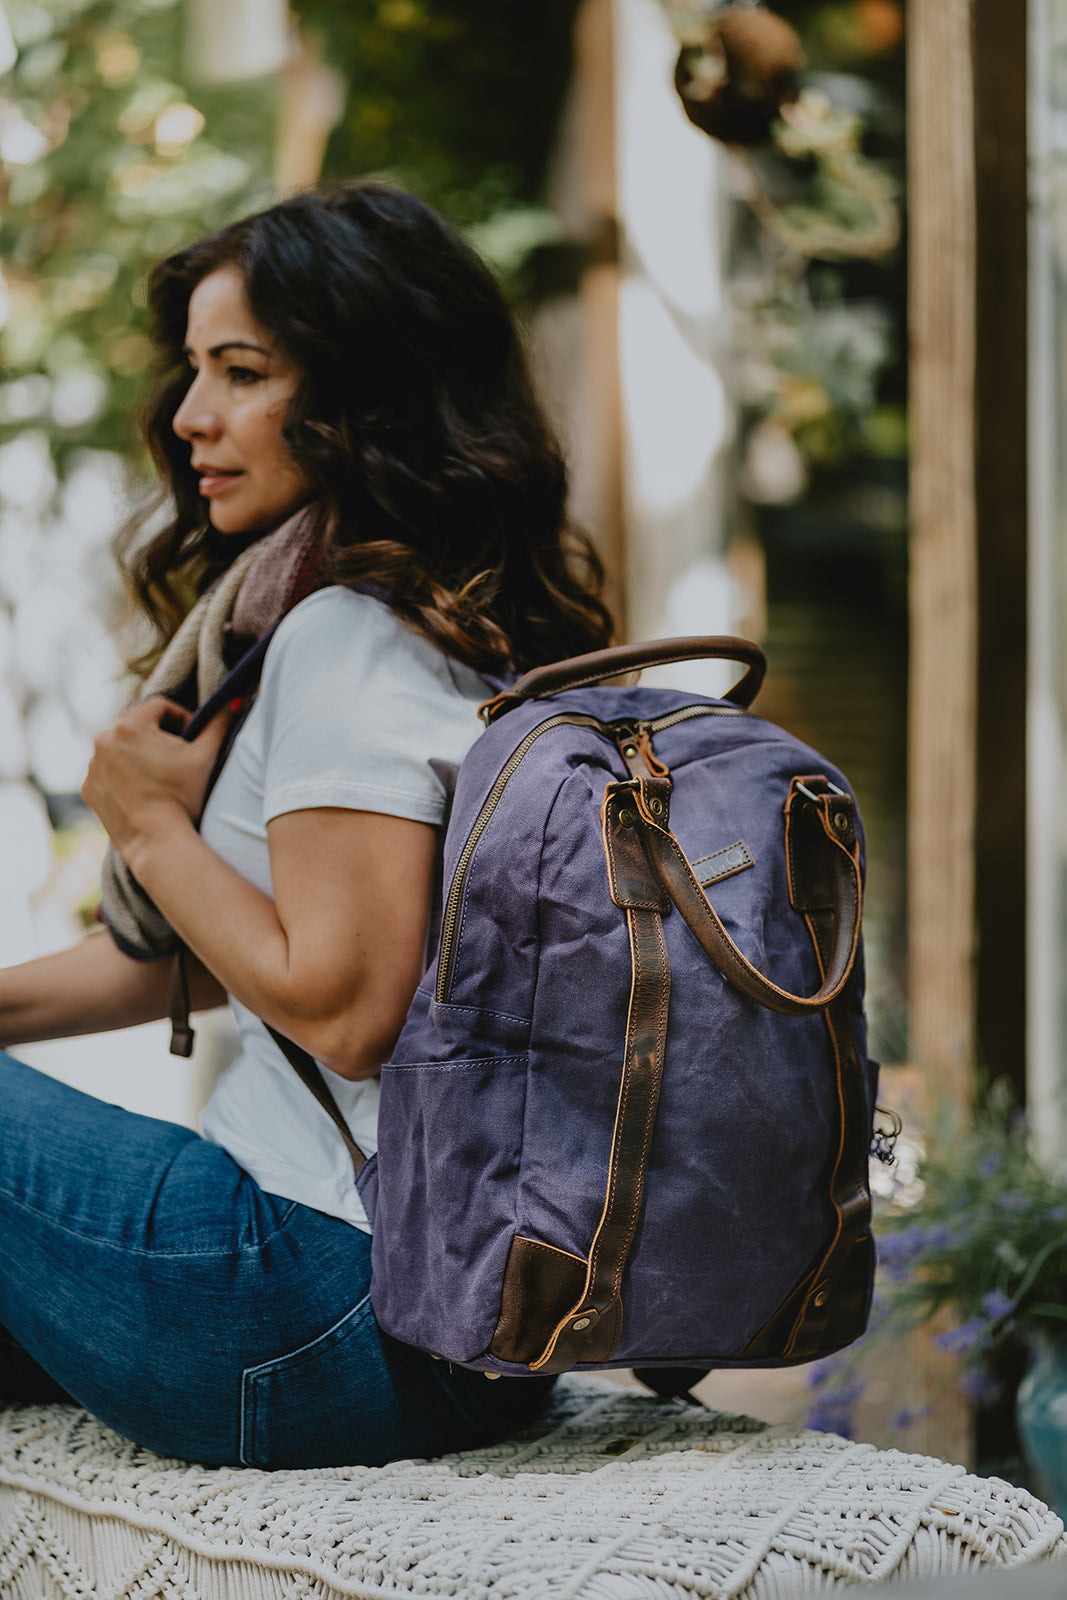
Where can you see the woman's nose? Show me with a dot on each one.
(194, 418)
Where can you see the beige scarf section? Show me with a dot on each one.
(264, 582)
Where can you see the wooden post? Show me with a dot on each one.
(312, 104)
(943, 734)
(1001, 482)
(966, 792)
(944, 582)
(594, 66)
(575, 338)
(969, 475)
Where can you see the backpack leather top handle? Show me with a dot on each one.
(600, 664)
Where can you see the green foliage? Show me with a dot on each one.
(456, 98)
(110, 159)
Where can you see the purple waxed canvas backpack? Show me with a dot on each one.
(627, 1122)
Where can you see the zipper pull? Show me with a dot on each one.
(626, 737)
(635, 747)
(651, 759)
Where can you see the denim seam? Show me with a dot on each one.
(136, 1250)
(250, 1374)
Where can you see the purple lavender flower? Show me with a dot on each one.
(989, 1165)
(907, 1415)
(897, 1251)
(968, 1336)
(830, 1414)
(821, 1372)
(980, 1386)
(997, 1305)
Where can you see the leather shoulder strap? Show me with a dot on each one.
(304, 1066)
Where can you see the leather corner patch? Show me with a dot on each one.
(541, 1284)
(722, 864)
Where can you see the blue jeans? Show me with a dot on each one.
(149, 1279)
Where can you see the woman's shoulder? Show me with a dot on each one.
(348, 613)
(339, 625)
(358, 636)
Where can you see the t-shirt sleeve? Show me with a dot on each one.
(360, 712)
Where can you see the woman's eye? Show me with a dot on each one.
(243, 375)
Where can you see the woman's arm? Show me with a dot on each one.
(333, 960)
(91, 988)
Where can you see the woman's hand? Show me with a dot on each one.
(144, 779)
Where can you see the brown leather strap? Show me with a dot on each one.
(817, 1317)
(590, 1329)
(182, 1032)
(305, 1068)
(824, 874)
(819, 837)
(849, 1194)
(600, 664)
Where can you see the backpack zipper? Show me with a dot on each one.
(685, 713)
(481, 822)
(611, 730)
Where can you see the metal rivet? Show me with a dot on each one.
(841, 821)
(821, 1297)
(629, 750)
(492, 1375)
(436, 1358)
(656, 806)
(626, 818)
(580, 1323)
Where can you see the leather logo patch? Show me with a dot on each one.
(723, 864)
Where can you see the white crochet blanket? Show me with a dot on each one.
(615, 1496)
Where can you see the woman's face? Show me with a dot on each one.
(233, 413)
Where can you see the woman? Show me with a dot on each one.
(342, 396)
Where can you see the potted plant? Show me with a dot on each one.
(981, 1239)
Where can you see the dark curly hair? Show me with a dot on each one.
(434, 474)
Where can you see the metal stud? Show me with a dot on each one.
(626, 817)
(580, 1323)
(655, 805)
(820, 1297)
(841, 821)
(492, 1375)
(629, 751)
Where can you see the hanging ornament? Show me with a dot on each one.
(738, 67)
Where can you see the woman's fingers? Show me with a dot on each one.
(160, 712)
(142, 771)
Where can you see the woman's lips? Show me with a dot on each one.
(214, 480)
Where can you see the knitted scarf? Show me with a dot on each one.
(264, 583)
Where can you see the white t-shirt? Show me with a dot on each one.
(355, 709)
